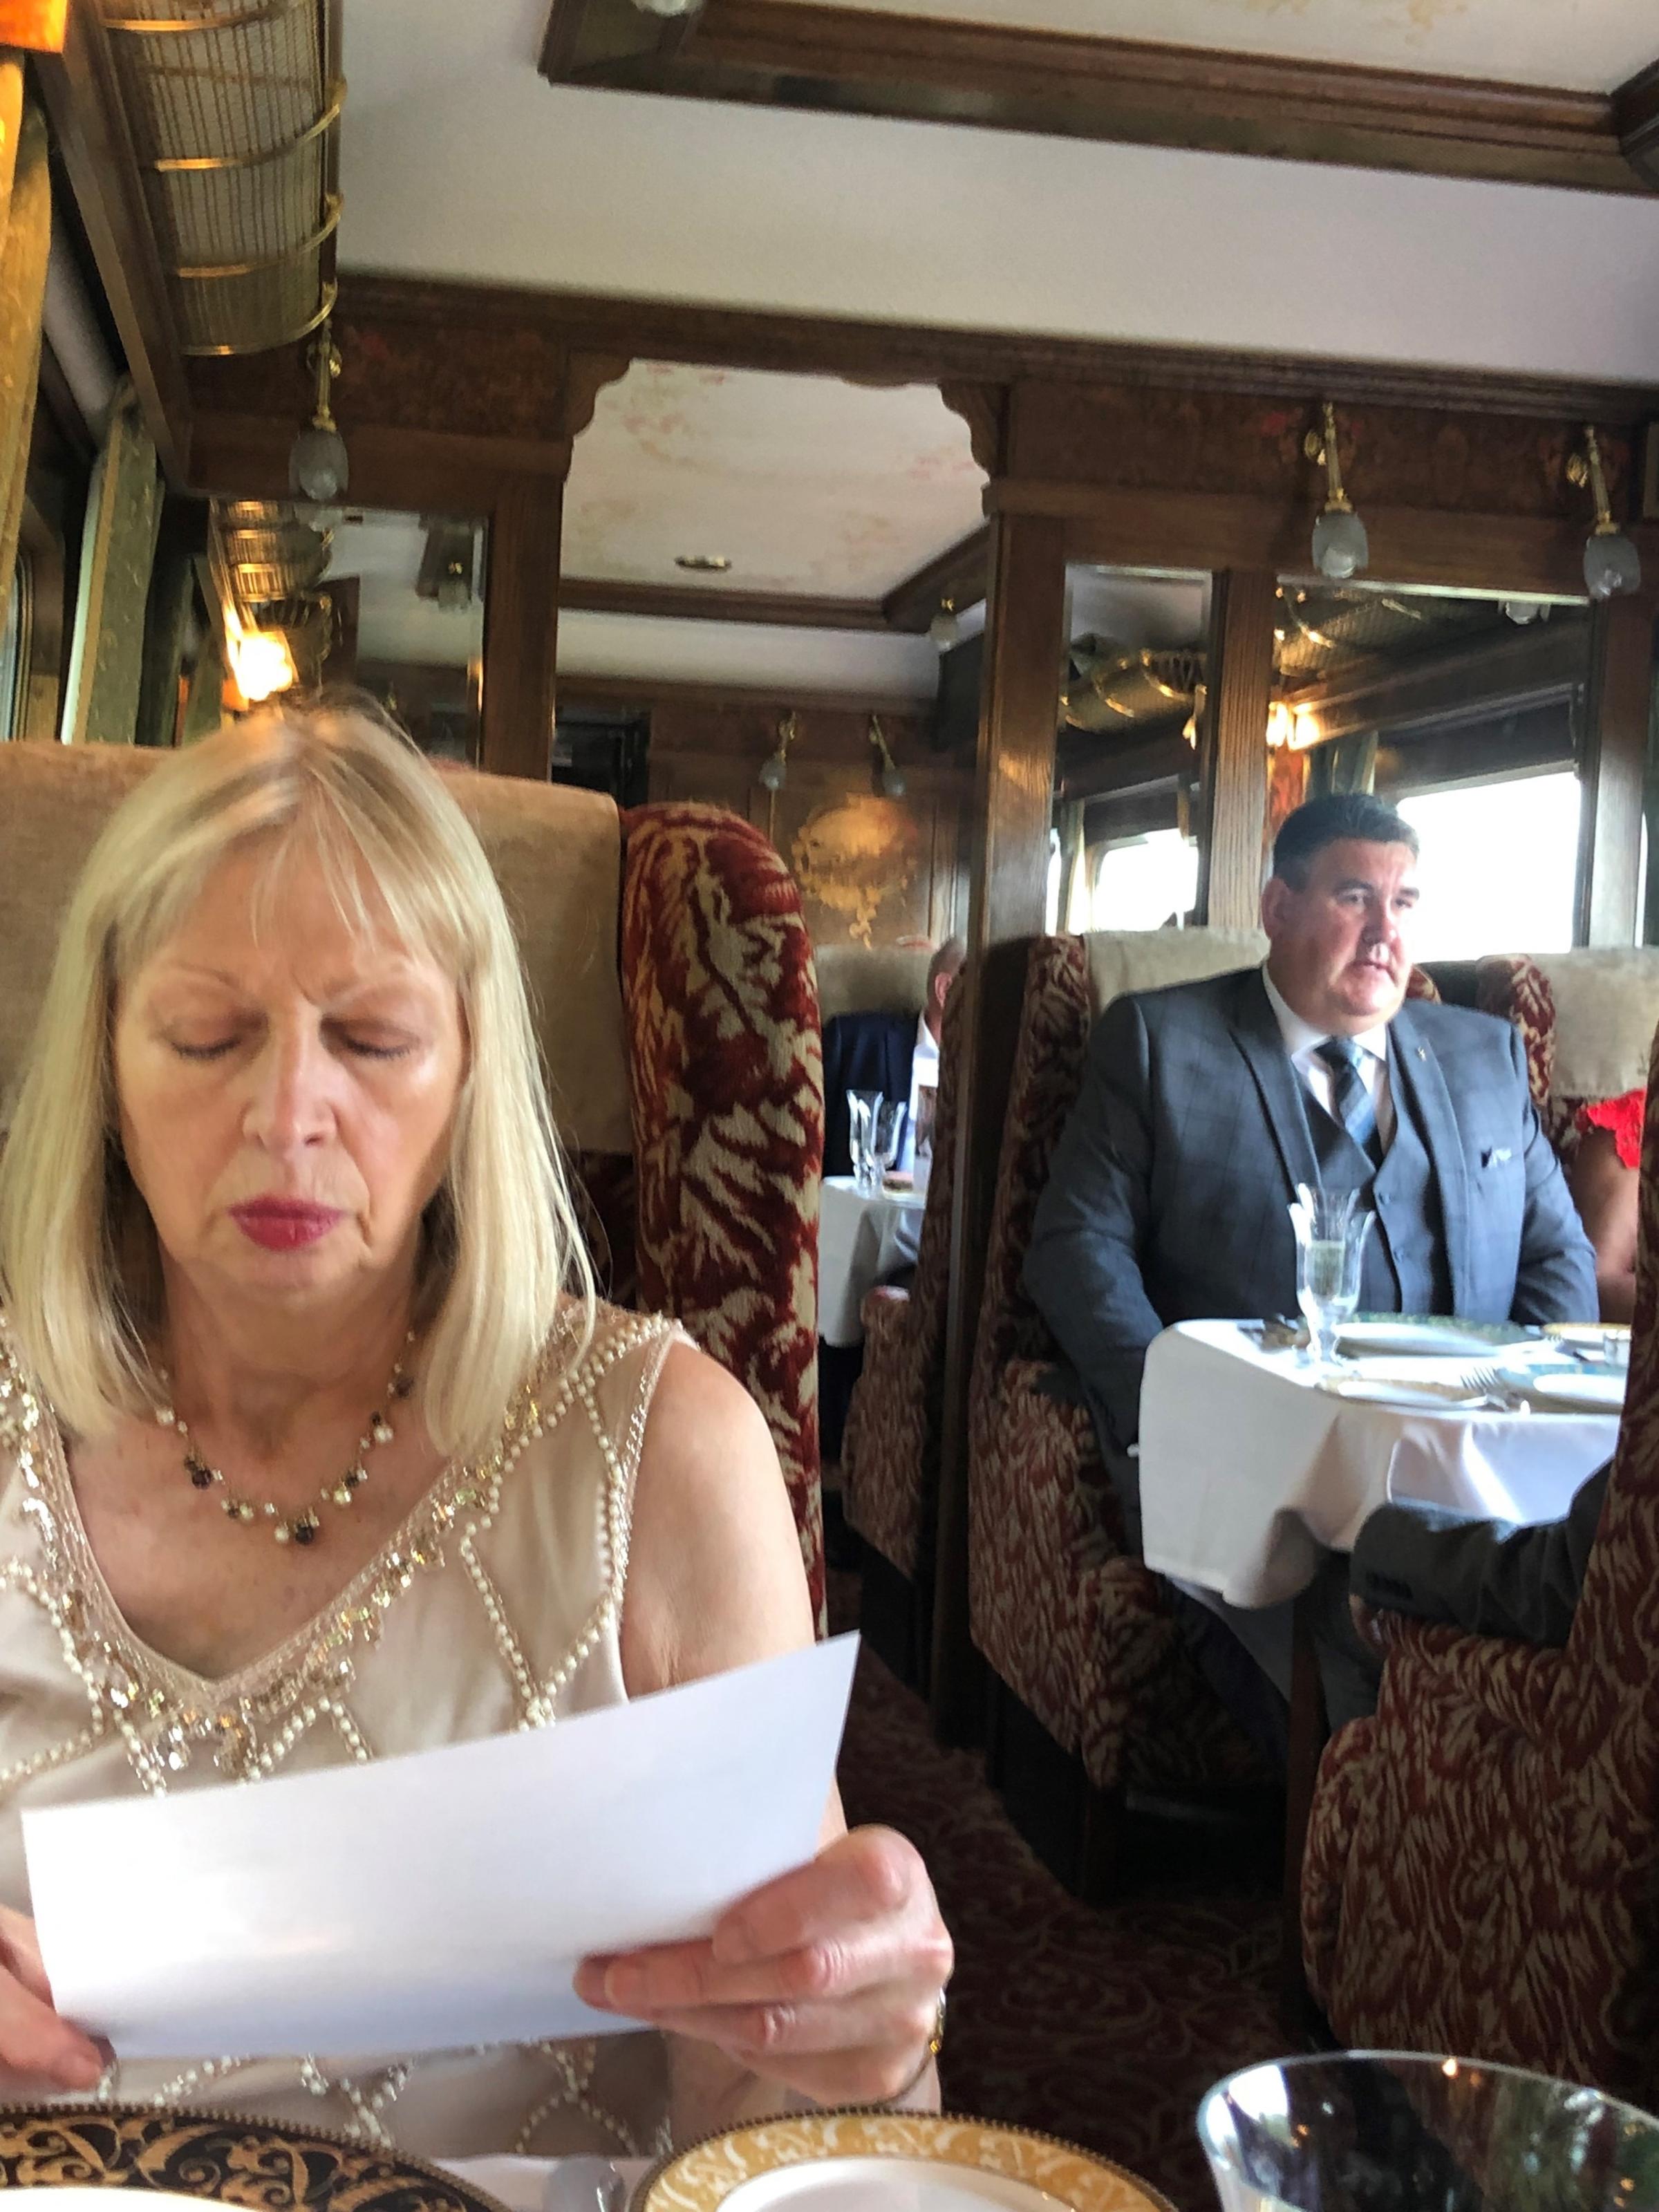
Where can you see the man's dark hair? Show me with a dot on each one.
(1304, 835)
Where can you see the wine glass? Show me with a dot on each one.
(1394, 2131)
(1331, 1227)
(887, 1135)
(863, 1106)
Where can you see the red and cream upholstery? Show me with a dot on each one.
(889, 1454)
(1076, 1628)
(1482, 1867)
(671, 978)
(727, 1080)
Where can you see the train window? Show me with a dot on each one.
(1145, 883)
(1499, 865)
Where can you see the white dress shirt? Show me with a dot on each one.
(924, 1070)
(1301, 1042)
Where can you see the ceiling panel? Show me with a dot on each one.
(1589, 46)
(804, 483)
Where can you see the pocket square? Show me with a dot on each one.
(1495, 1155)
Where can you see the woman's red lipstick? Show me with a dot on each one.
(284, 1225)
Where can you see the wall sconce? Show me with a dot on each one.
(455, 587)
(1612, 563)
(261, 663)
(946, 627)
(1200, 696)
(1341, 547)
(775, 768)
(317, 463)
(892, 781)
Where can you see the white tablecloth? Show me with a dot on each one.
(1246, 1469)
(861, 1241)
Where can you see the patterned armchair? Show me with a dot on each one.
(890, 1451)
(1482, 1871)
(1076, 1629)
(671, 979)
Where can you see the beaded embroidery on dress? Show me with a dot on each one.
(496, 1606)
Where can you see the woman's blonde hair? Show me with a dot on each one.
(79, 1263)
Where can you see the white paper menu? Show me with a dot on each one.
(441, 1899)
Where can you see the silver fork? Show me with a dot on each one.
(1494, 1390)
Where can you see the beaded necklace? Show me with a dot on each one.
(302, 1528)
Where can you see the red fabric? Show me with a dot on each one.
(1621, 1118)
(1483, 1863)
(890, 1453)
(727, 1073)
(1078, 1629)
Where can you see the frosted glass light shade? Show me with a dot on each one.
(1612, 565)
(1341, 547)
(892, 781)
(944, 630)
(455, 593)
(773, 772)
(317, 463)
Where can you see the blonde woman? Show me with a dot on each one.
(310, 1426)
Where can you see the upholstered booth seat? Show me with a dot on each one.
(1483, 1861)
(671, 981)
(891, 1448)
(1077, 1632)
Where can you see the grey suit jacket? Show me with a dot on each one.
(1484, 1576)
(1167, 1199)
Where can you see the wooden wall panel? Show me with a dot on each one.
(872, 871)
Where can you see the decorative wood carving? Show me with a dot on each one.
(868, 61)
(429, 311)
(984, 409)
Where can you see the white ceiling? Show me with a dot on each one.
(794, 663)
(460, 161)
(1591, 44)
(805, 483)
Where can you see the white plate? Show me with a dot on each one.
(1418, 1338)
(1368, 1391)
(874, 2161)
(1594, 1394)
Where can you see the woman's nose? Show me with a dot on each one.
(290, 1100)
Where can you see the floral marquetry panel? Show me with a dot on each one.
(1130, 438)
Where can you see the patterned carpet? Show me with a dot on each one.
(1103, 2024)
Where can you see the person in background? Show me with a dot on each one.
(1204, 1106)
(1486, 1578)
(942, 970)
(1603, 1179)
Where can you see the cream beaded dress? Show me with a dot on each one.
(496, 1606)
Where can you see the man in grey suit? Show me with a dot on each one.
(1203, 1106)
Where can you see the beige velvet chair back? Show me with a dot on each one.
(1123, 960)
(556, 852)
(1607, 1008)
(886, 980)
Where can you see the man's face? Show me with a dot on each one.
(1341, 952)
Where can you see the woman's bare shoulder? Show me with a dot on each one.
(714, 1578)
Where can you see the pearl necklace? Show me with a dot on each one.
(290, 1527)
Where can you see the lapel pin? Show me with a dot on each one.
(1422, 1052)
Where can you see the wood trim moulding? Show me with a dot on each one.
(644, 692)
(514, 317)
(960, 574)
(1636, 118)
(710, 603)
(873, 62)
(1525, 554)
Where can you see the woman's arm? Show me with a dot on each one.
(823, 1987)
(1604, 1191)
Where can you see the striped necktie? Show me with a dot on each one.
(1351, 1102)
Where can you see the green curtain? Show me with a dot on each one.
(118, 551)
(25, 242)
(1342, 764)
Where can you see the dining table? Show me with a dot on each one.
(1256, 1463)
(865, 1237)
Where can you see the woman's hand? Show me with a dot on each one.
(827, 1981)
(33, 2041)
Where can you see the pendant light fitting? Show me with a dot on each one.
(1612, 566)
(1340, 546)
(317, 466)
